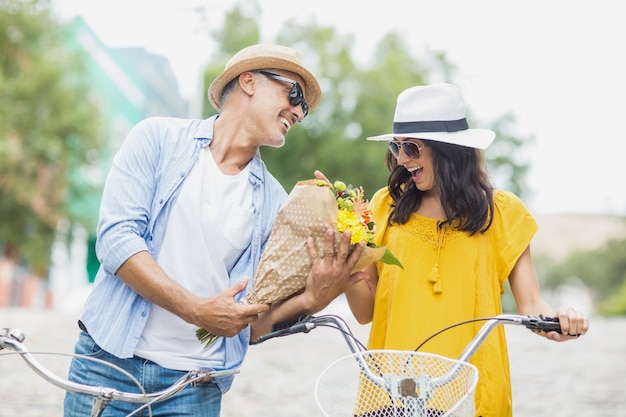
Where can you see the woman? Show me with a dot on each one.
(458, 239)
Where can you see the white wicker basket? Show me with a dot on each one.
(401, 384)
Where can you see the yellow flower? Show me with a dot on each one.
(349, 220)
(354, 214)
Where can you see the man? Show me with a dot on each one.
(185, 215)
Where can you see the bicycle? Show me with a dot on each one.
(391, 383)
(12, 340)
(384, 382)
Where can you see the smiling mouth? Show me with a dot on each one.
(285, 122)
(414, 171)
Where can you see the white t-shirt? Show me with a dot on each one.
(208, 229)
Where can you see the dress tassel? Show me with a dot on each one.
(435, 279)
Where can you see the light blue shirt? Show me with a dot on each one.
(143, 183)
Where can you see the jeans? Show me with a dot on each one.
(202, 399)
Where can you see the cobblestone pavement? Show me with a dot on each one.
(585, 378)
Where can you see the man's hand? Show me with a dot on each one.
(331, 272)
(330, 276)
(221, 315)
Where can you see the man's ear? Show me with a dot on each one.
(248, 82)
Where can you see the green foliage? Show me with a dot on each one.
(239, 30)
(47, 129)
(616, 303)
(505, 157)
(49, 125)
(603, 269)
(358, 101)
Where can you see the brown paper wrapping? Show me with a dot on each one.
(309, 210)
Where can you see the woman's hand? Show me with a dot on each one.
(573, 325)
(320, 176)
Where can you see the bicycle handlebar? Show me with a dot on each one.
(307, 323)
(533, 323)
(13, 339)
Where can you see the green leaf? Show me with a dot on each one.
(390, 259)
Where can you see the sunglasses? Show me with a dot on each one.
(411, 149)
(296, 96)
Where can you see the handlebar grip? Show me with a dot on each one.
(269, 336)
(301, 325)
(288, 323)
(543, 324)
(551, 324)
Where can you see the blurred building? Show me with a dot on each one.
(129, 84)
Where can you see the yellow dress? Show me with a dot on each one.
(414, 303)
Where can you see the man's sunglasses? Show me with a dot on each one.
(411, 149)
(296, 96)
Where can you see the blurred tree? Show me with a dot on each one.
(240, 30)
(616, 304)
(48, 129)
(506, 160)
(603, 269)
(358, 101)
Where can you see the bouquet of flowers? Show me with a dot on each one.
(311, 207)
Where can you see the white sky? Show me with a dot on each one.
(558, 65)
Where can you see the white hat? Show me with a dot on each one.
(260, 57)
(435, 112)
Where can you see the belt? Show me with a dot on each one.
(82, 326)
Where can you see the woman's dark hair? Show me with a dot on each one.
(463, 185)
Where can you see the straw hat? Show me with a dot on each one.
(435, 112)
(262, 56)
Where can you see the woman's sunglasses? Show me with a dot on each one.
(296, 96)
(411, 149)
